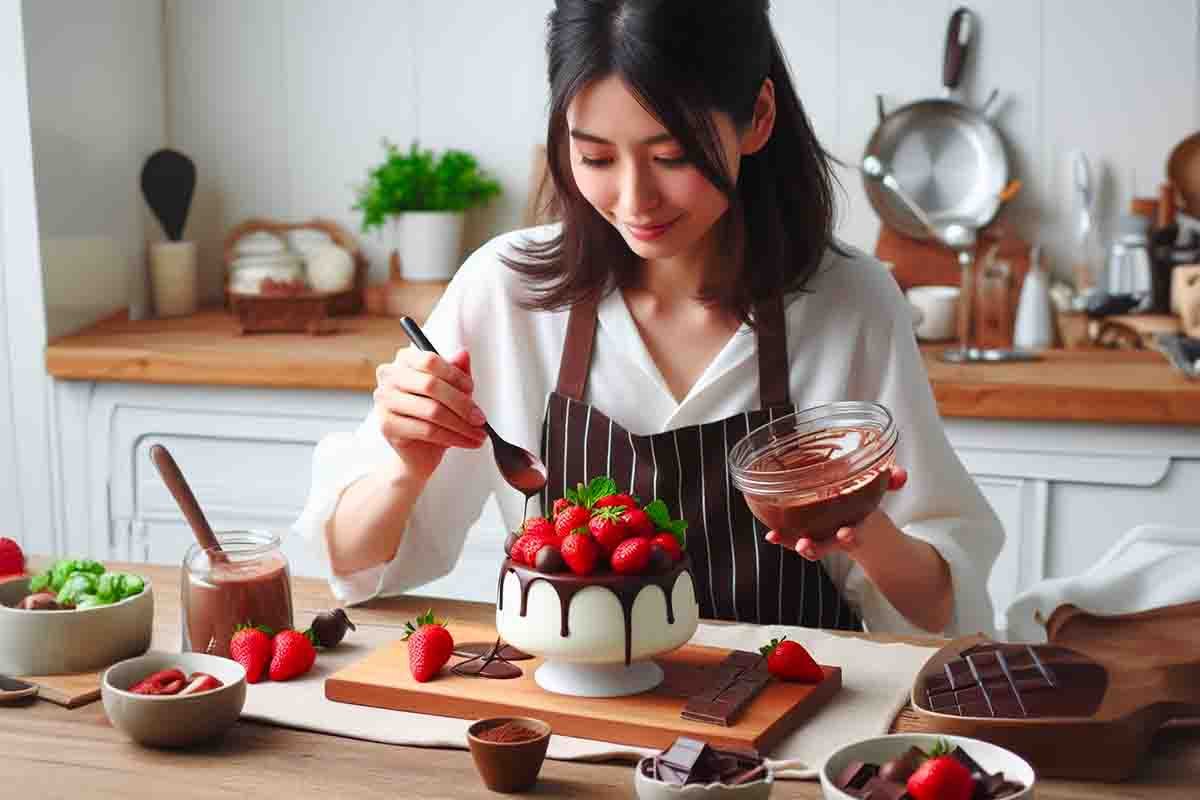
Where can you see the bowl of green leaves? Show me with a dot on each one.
(75, 616)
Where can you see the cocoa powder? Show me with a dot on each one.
(508, 733)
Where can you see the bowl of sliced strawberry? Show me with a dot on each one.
(598, 589)
(173, 699)
(925, 766)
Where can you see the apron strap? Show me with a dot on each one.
(577, 350)
(772, 353)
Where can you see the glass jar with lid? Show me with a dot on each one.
(245, 582)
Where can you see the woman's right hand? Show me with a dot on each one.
(424, 405)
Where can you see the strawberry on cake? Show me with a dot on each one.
(597, 591)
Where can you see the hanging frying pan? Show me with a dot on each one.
(948, 157)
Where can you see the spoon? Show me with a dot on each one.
(523, 471)
(186, 501)
(874, 168)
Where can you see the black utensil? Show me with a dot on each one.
(523, 471)
(168, 181)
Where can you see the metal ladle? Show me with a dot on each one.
(520, 468)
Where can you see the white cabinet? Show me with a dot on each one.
(1064, 492)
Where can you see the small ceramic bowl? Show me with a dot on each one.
(62, 642)
(173, 720)
(991, 757)
(648, 788)
(508, 766)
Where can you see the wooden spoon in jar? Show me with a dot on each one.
(173, 478)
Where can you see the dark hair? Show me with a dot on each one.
(684, 59)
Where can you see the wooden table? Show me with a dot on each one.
(1103, 386)
(52, 752)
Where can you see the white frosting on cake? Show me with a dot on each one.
(596, 622)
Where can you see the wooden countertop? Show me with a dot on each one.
(205, 349)
(68, 753)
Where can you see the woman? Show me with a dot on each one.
(693, 280)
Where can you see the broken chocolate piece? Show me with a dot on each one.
(879, 789)
(855, 775)
(736, 682)
(684, 753)
(474, 649)
(691, 761)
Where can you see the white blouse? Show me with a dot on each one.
(849, 338)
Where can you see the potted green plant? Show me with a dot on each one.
(426, 197)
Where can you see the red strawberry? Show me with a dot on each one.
(616, 500)
(571, 518)
(526, 548)
(162, 682)
(638, 522)
(559, 505)
(251, 647)
(200, 682)
(608, 529)
(12, 560)
(539, 526)
(668, 542)
(292, 655)
(791, 662)
(941, 778)
(632, 556)
(429, 646)
(580, 551)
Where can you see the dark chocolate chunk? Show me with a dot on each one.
(879, 789)
(739, 678)
(684, 753)
(855, 775)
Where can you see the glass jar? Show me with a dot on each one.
(246, 582)
(817, 470)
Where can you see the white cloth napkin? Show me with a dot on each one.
(876, 680)
(1151, 566)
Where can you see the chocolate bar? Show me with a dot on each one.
(1016, 681)
(736, 681)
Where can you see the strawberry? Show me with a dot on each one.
(429, 646)
(632, 556)
(668, 542)
(638, 522)
(292, 654)
(614, 500)
(525, 550)
(251, 647)
(789, 661)
(608, 529)
(12, 560)
(166, 681)
(572, 518)
(539, 526)
(559, 505)
(941, 778)
(581, 552)
(200, 682)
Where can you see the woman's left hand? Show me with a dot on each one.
(846, 539)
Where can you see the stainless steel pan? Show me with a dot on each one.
(947, 156)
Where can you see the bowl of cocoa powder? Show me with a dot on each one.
(508, 751)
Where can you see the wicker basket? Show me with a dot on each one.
(274, 312)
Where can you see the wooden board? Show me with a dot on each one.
(651, 719)
(70, 691)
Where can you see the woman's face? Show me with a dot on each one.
(632, 171)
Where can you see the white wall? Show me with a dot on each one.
(283, 103)
(97, 111)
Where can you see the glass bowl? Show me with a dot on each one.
(817, 470)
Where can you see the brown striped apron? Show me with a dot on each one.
(739, 576)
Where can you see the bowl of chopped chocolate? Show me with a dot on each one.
(508, 751)
(925, 766)
(690, 768)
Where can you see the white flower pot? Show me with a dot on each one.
(430, 244)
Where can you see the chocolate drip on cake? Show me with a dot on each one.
(625, 587)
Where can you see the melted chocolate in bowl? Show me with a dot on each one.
(819, 470)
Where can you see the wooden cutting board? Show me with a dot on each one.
(1152, 676)
(69, 691)
(651, 719)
